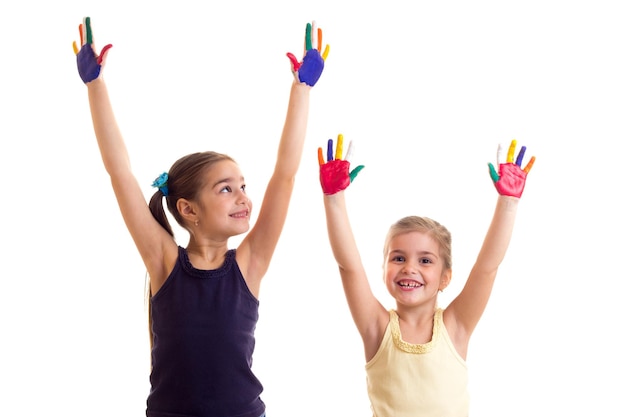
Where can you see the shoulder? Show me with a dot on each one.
(163, 267)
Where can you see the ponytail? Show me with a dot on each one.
(183, 180)
(156, 208)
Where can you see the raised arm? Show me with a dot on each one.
(367, 312)
(465, 311)
(147, 234)
(255, 251)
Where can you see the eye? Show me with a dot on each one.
(226, 189)
(426, 261)
(397, 258)
(243, 188)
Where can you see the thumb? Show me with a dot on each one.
(493, 173)
(295, 65)
(103, 54)
(355, 172)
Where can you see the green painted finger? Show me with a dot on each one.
(355, 172)
(494, 174)
(88, 30)
(307, 38)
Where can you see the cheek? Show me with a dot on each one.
(388, 274)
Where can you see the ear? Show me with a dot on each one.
(446, 277)
(187, 210)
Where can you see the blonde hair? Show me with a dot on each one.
(423, 225)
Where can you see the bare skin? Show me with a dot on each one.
(223, 210)
(414, 275)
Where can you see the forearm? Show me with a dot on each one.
(110, 141)
(498, 235)
(294, 132)
(340, 235)
(272, 215)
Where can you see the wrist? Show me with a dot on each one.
(508, 202)
(337, 195)
(297, 85)
(95, 82)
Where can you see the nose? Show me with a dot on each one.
(242, 198)
(409, 268)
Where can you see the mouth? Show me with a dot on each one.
(409, 284)
(243, 214)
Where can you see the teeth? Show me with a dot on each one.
(410, 285)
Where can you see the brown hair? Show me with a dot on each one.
(185, 179)
(424, 225)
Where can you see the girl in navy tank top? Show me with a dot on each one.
(203, 297)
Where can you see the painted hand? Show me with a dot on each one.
(310, 69)
(511, 178)
(335, 174)
(89, 64)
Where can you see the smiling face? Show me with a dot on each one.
(223, 207)
(414, 270)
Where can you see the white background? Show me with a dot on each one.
(425, 89)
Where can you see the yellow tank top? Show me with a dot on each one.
(424, 380)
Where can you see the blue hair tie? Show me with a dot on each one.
(161, 183)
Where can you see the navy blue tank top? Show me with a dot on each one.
(203, 324)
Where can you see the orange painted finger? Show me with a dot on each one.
(529, 165)
(319, 40)
(320, 156)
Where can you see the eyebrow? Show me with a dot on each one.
(421, 253)
(227, 180)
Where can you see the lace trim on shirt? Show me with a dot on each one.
(219, 272)
(410, 347)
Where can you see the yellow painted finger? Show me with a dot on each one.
(511, 154)
(339, 151)
(325, 54)
(75, 48)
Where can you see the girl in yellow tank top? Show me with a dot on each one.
(415, 354)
